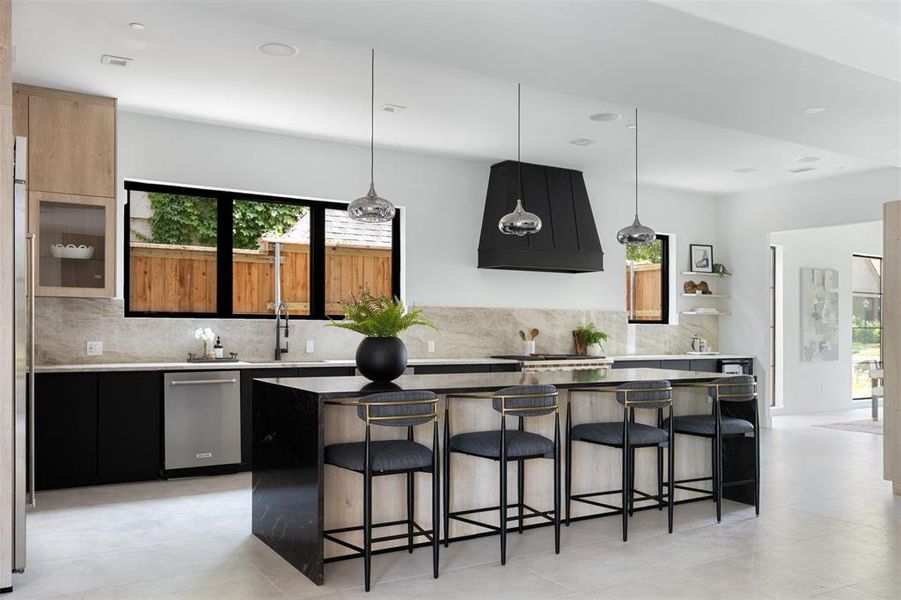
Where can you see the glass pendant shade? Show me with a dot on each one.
(519, 222)
(636, 233)
(371, 208)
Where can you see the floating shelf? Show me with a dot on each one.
(705, 295)
(703, 314)
(702, 274)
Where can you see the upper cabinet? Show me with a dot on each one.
(71, 142)
(71, 188)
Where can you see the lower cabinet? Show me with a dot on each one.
(636, 364)
(65, 423)
(93, 428)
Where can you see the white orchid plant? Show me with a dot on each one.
(206, 337)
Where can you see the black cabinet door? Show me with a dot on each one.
(636, 364)
(445, 369)
(705, 365)
(247, 377)
(676, 365)
(129, 430)
(65, 423)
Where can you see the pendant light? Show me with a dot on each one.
(519, 222)
(636, 233)
(371, 208)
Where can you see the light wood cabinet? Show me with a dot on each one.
(71, 143)
(71, 188)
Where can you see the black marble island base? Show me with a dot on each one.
(289, 438)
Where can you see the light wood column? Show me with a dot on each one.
(891, 340)
(7, 397)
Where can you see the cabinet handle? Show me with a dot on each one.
(203, 381)
(32, 284)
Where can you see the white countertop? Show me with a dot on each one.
(225, 366)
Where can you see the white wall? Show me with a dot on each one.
(820, 386)
(744, 222)
(444, 199)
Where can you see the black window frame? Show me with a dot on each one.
(224, 246)
(881, 328)
(664, 287)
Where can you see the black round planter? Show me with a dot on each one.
(381, 358)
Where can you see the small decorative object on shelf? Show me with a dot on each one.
(81, 251)
(381, 356)
(588, 340)
(206, 337)
(700, 258)
(720, 269)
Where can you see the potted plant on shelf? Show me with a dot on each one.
(589, 338)
(381, 356)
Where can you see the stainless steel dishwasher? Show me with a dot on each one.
(202, 419)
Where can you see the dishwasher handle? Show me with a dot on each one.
(203, 381)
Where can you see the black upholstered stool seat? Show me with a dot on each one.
(386, 456)
(487, 444)
(611, 434)
(706, 425)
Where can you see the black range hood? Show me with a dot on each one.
(568, 241)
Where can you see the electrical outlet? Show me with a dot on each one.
(431, 345)
(95, 348)
(311, 346)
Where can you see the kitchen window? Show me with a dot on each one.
(647, 282)
(212, 253)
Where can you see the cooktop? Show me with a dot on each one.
(547, 357)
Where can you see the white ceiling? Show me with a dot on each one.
(720, 88)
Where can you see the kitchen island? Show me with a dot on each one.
(295, 498)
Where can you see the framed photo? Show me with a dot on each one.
(701, 257)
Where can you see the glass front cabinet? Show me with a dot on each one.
(74, 244)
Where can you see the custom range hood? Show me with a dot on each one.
(568, 241)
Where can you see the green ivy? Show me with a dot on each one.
(645, 253)
(191, 220)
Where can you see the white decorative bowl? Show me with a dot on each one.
(81, 252)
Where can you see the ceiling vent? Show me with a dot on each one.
(802, 169)
(116, 61)
(393, 108)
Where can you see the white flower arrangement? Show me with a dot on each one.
(206, 337)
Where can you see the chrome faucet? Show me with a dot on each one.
(281, 331)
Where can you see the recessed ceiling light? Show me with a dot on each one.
(392, 108)
(630, 126)
(808, 159)
(581, 142)
(802, 170)
(138, 26)
(814, 110)
(744, 170)
(606, 117)
(116, 61)
(277, 49)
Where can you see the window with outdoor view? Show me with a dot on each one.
(199, 252)
(866, 323)
(647, 281)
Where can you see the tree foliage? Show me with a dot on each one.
(191, 220)
(379, 316)
(645, 253)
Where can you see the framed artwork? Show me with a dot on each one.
(701, 257)
(819, 315)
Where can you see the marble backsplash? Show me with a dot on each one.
(64, 325)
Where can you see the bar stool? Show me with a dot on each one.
(504, 445)
(627, 435)
(732, 393)
(390, 457)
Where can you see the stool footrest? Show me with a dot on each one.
(330, 534)
(528, 513)
(643, 497)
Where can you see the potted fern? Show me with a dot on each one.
(591, 339)
(381, 356)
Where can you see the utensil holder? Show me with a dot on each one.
(528, 347)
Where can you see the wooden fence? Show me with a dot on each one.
(166, 278)
(647, 291)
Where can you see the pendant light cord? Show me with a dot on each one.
(636, 163)
(519, 139)
(372, 119)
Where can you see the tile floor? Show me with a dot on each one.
(829, 528)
